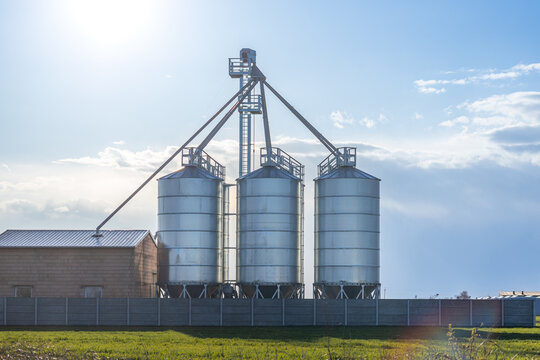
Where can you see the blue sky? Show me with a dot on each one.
(442, 100)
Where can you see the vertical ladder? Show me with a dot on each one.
(245, 136)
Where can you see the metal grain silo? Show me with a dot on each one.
(346, 229)
(269, 233)
(190, 242)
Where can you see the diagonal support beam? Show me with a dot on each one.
(250, 85)
(303, 120)
(267, 138)
(172, 157)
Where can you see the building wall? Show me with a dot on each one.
(60, 272)
(146, 268)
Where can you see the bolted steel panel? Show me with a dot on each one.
(269, 227)
(347, 227)
(190, 207)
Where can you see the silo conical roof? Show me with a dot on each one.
(269, 172)
(347, 172)
(191, 172)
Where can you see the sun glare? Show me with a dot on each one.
(110, 23)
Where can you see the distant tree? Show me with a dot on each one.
(463, 295)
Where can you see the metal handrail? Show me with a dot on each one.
(192, 157)
(252, 103)
(343, 156)
(238, 67)
(282, 160)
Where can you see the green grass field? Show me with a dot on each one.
(269, 343)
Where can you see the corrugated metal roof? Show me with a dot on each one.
(71, 238)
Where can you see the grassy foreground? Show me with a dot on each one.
(270, 343)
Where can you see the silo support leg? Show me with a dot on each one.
(342, 295)
(258, 293)
(185, 294)
(277, 293)
(203, 293)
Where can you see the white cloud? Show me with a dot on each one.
(61, 209)
(367, 122)
(285, 140)
(372, 122)
(459, 120)
(16, 206)
(514, 116)
(119, 142)
(67, 195)
(382, 118)
(517, 108)
(471, 143)
(340, 119)
(145, 160)
(437, 86)
(418, 116)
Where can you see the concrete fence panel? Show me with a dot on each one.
(330, 312)
(393, 312)
(518, 313)
(82, 311)
(361, 312)
(113, 312)
(51, 311)
(423, 312)
(143, 312)
(174, 312)
(265, 312)
(486, 312)
(21, 311)
(299, 312)
(236, 312)
(268, 312)
(456, 312)
(206, 312)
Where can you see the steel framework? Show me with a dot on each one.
(248, 103)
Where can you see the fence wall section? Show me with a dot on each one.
(265, 312)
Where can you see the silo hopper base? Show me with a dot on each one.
(271, 291)
(192, 291)
(346, 291)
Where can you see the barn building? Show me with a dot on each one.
(74, 263)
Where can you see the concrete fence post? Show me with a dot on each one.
(66, 310)
(346, 312)
(158, 311)
(35, 310)
(534, 312)
(440, 313)
(189, 312)
(377, 311)
(127, 309)
(283, 312)
(470, 312)
(314, 312)
(408, 312)
(251, 315)
(97, 311)
(220, 311)
(502, 312)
